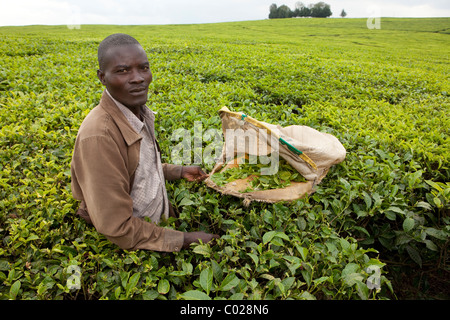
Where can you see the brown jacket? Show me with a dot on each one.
(104, 161)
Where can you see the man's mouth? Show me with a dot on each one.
(137, 90)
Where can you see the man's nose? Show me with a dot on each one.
(136, 77)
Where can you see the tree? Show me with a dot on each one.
(301, 10)
(343, 13)
(273, 11)
(284, 12)
(321, 10)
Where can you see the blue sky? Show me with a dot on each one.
(53, 12)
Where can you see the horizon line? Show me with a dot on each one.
(218, 22)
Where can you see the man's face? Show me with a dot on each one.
(126, 74)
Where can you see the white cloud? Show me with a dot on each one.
(26, 12)
(393, 8)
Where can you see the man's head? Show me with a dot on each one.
(124, 69)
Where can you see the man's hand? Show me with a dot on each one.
(191, 237)
(193, 173)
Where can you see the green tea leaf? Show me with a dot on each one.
(229, 282)
(414, 254)
(217, 270)
(303, 252)
(362, 289)
(438, 234)
(132, 282)
(320, 280)
(117, 292)
(108, 262)
(14, 290)
(202, 249)
(186, 202)
(237, 296)
(307, 276)
(284, 175)
(367, 200)
(4, 265)
(187, 267)
(430, 245)
(254, 258)
(206, 279)
(163, 286)
(268, 236)
(150, 295)
(307, 296)
(408, 224)
(195, 295)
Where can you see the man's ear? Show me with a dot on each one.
(101, 76)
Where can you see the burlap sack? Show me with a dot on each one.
(246, 137)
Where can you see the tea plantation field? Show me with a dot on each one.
(377, 226)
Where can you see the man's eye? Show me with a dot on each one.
(121, 70)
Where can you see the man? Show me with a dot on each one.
(116, 167)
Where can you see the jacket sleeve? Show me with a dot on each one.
(171, 171)
(101, 173)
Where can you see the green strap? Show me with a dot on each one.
(290, 147)
(287, 144)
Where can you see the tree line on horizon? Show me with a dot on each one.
(316, 10)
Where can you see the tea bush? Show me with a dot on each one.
(383, 93)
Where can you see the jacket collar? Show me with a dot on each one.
(129, 134)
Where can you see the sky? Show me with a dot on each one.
(79, 12)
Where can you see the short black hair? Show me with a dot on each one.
(111, 41)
